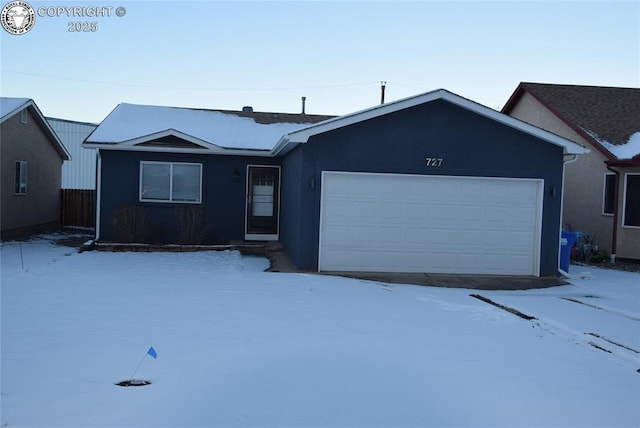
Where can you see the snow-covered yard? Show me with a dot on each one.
(241, 347)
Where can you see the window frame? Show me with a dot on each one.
(624, 200)
(171, 177)
(612, 196)
(20, 178)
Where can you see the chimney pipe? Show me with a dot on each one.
(382, 86)
(304, 99)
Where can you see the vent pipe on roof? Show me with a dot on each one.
(382, 86)
(304, 100)
(247, 109)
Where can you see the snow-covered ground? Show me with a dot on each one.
(241, 347)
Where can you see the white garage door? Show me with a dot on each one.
(435, 224)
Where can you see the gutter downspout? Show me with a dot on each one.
(616, 194)
(564, 166)
(98, 193)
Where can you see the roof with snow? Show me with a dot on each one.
(143, 126)
(607, 117)
(11, 106)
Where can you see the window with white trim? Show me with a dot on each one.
(171, 182)
(631, 200)
(24, 116)
(608, 200)
(20, 187)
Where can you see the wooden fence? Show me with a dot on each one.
(78, 207)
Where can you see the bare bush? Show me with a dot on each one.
(192, 224)
(130, 224)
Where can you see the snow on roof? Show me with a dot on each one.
(625, 151)
(230, 130)
(9, 105)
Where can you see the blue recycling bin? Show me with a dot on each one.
(568, 238)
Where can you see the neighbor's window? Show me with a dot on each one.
(24, 116)
(632, 200)
(609, 193)
(170, 182)
(21, 178)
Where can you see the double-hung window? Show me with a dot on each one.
(171, 182)
(20, 187)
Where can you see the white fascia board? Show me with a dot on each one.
(134, 142)
(207, 147)
(302, 136)
(220, 151)
(288, 141)
(64, 152)
(569, 147)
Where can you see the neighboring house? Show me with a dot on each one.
(602, 189)
(80, 173)
(430, 183)
(32, 157)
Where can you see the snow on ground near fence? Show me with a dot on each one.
(237, 346)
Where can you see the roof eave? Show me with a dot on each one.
(522, 88)
(223, 152)
(208, 149)
(44, 124)
(624, 163)
(18, 109)
(302, 136)
(513, 99)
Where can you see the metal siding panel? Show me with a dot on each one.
(80, 171)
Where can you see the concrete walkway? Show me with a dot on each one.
(476, 282)
(280, 262)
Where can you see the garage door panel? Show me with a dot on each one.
(388, 211)
(365, 235)
(413, 223)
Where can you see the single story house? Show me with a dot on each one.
(430, 183)
(32, 156)
(602, 188)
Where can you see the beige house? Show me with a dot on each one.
(32, 157)
(602, 188)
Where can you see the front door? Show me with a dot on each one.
(263, 197)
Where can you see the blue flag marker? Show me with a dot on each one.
(152, 352)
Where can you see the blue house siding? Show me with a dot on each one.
(223, 197)
(468, 143)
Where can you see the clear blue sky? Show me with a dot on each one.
(225, 55)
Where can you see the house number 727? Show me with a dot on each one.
(434, 161)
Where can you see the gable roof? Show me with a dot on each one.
(9, 107)
(606, 117)
(144, 127)
(290, 140)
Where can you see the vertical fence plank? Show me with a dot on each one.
(78, 207)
